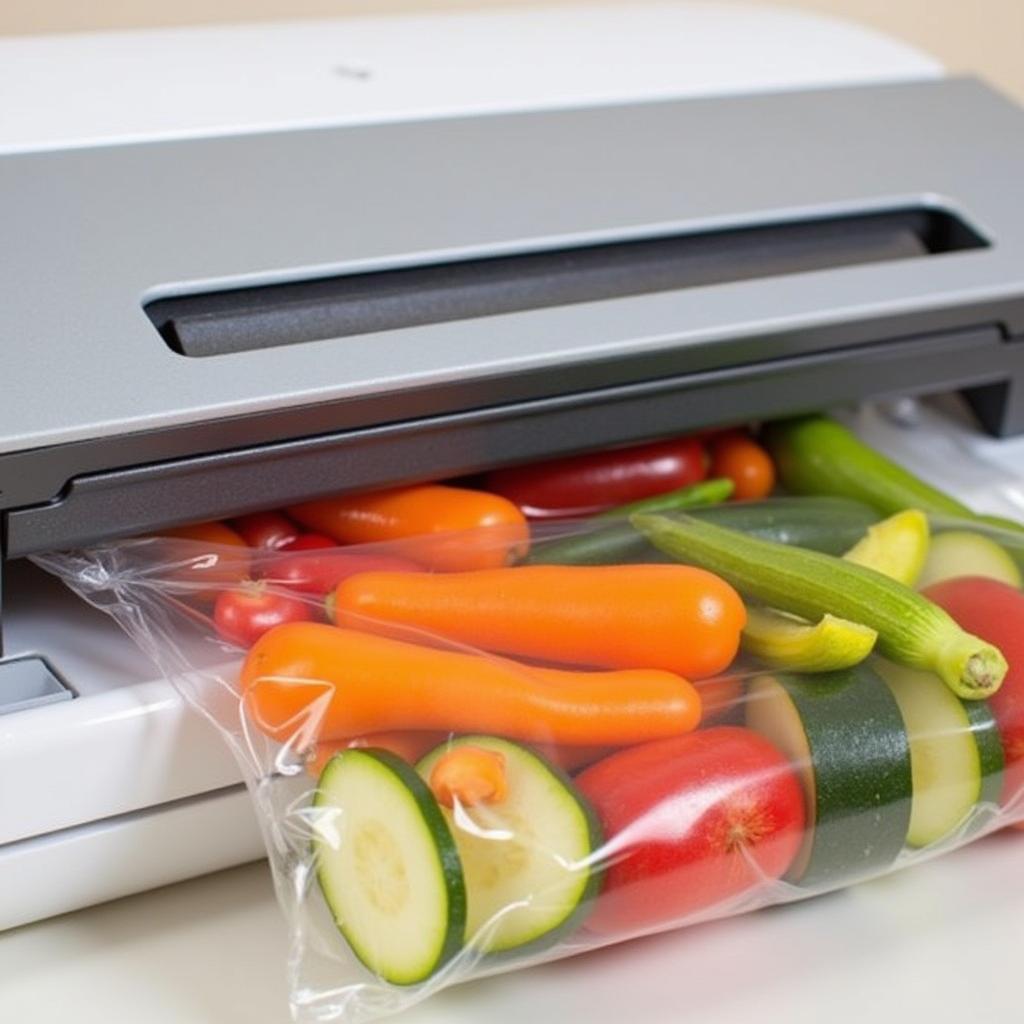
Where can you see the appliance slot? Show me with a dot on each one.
(239, 320)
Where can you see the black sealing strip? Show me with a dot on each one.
(218, 323)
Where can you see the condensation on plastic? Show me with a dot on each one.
(735, 836)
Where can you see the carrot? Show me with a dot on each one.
(672, 617)
(307, 682)
(469, 775)
(405, 512)
(409, 745)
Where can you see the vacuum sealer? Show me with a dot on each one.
(248, 267)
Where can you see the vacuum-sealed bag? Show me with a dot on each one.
(471, 750)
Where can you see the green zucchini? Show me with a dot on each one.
(388, 865)
(817, 455)
(911, 630)
(529, 861)
(602, 544)
(845, 736)
(955, 752)
(825, 524)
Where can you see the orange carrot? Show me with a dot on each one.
(469, 775)
(308, 682)
(489, 530)
(673, 617)
(409, 745)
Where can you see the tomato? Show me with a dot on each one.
(317, 572)
(994, 611)
(585, 484)
(266, 530)
(690, 822)
(745, 463)
(441, 527)
(309, 542)
(244, 614)
(214, 557)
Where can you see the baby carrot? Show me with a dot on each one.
(308, 682)
(469, 775)
(483, 530)
(673, 617)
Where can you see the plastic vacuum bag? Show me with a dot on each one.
(464, 773)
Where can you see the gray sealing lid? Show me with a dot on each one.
(102, 231)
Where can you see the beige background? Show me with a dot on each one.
(980, 36)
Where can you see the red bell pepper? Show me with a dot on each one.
(583, 485)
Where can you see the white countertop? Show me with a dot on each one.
(939, 943)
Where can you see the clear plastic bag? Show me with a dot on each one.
(464, 773)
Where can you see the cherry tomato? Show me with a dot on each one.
(694, 821)
(309, 542)
(244, 614)
(585, 484)
(319, 573)
(266, 530)
(745, 463)
(215, 557)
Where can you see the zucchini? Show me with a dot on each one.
(955, 753)
(817, 455)
(845, 736)
(783, 642)
(911, 630)
(828, 524)
(707, 492)
(388, 865)
(603, 544)
(896, 547)
(529, 860)
(825, 524)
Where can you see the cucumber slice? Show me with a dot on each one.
(528, 861)
(388, 866)
(963, 553)
(955, 752)
(844, 734)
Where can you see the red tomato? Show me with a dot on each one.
(745, 463)
(244, 614)
(317, 573)
(268, 531)
(309, 542)
(585, 484)
(994, 611)
(690, 822)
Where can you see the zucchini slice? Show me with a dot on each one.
(845, 735)
(388, 866)
(955, 753)
(528, 860)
